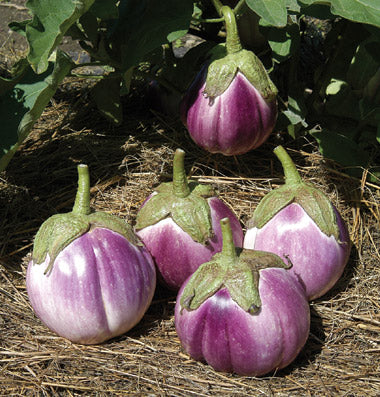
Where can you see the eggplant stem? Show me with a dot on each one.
(180, 184)
(228, 248)
(82, 198)
(233, 43)
(292, 176)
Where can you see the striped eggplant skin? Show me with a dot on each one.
(99, 287)
(318, 260)
(233, 123)
(230, 339)
(176, 254)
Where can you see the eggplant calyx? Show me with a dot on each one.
(58, 231)
(185, 202)
(236, 269)
(313, 201)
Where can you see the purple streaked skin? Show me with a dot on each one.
(232, 123)
(99, 287)
(230, 339)
(318, 260)
(176, 254)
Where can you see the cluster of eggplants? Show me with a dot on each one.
(90, 278)
(179, 225)
(242, 311)
(231, 106)
(299, 223)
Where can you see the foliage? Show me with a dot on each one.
(328, 79)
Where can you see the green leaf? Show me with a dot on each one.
(19, 27)
(105, 9)
(21, 106)
(51, 20)
(296, 111)
(146, 25)
(273, 12)
(342, 149)
(106, 94)
(284, 42)
(363, 65)
(365, 11)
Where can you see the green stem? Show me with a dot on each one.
(233, 43)
(82, 199)
(292, 177)
(228, 249)
(239, 6)
(218, 6)
(180, 183)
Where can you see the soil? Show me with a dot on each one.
(341, 356)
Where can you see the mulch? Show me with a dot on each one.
(341, 356)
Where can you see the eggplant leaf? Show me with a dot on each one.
(51, 20)
(145, 25)
(23, 104)
(273, 12)
(106, 95)
(365, 11)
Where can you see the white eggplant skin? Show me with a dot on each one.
(99, 287)
(234, 122)
(318, 260)
(230, 339)
(176, 254)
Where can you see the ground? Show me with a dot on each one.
(341, 356)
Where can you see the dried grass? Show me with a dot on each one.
(341, 356)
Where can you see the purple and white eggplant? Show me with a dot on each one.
(231, 106)
(179, 225)
(90, 277)
(242, 311)
(298, 222)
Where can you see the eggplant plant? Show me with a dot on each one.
(90, 277)
(242, 311)
(299, 223)
(179, 225)
(231, 107)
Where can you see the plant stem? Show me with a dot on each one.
(239, 6)
(292, 177)
(82, 198)
(228, 249)
(218, 6)
(233, 43)
(180, 184)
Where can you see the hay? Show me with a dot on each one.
(341, 356)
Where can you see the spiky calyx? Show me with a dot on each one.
(186, 203)
(58, 231)
(313, 201)
(233, 268)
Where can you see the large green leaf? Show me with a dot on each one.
(22, 105)
(145, 25)
(106, 95)
(365, 11)
(336, 146)
(51, 19)
(273, 12)
(284, 42)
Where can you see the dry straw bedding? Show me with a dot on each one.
(341, 356)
